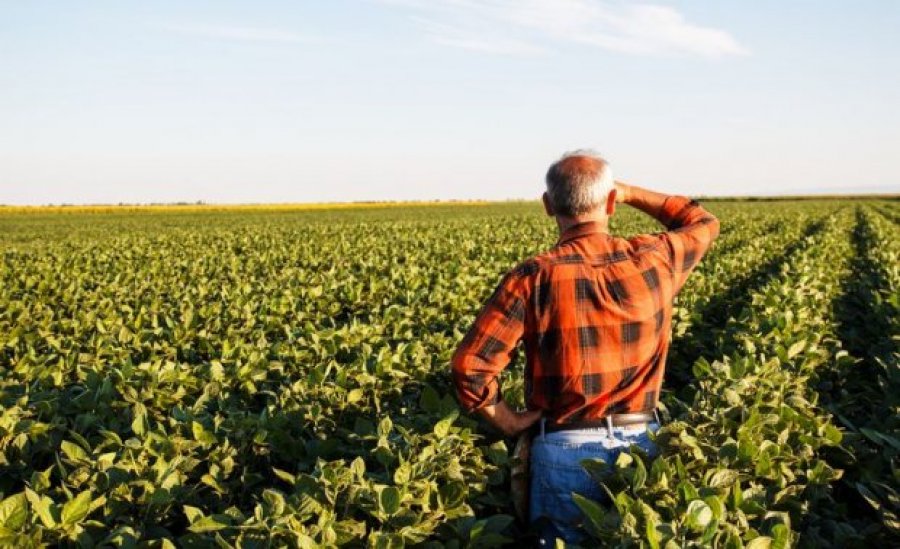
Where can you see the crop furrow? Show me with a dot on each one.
(749, 230)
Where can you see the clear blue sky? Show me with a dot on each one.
(302, 101)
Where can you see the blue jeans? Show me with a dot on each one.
(556, 472)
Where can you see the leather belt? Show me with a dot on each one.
(612, 420)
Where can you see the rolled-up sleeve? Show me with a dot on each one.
(692, 230)
(490, 343)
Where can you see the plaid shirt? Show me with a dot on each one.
(594, 314)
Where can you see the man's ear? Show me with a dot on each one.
(611, 202)
(545, 198)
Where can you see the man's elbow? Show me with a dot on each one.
(459, 376)
(458, 363)
(472, 387)
(708, 220)
(713, 225)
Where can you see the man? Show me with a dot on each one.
(594, 314)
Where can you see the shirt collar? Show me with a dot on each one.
(579, 230)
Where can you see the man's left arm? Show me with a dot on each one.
(486, 351)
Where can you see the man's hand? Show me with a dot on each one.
(622, 191)
(507, 420)
(647, 201)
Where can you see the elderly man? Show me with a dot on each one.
(594, 314)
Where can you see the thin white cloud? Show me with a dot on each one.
(248, 34)
(466, 38)
(527, 26)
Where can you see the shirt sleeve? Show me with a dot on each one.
(692, 230)
(490, 343)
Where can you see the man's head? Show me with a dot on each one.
(580, 184)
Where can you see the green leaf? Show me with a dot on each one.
(592, 510)
(497, 453)
(651, 533)
(139, 422)
(381, 540)
(880, 438)
(274, 500)
(384, 455)
(43, 507)
(358, 466)
(40, 480)
(208, 524)
(442, 427)
(687, 491)
(698, 515)
(736, 497)
(833, 434)
(623, 461)
(193, 514)
(389, 500)
(452, 494)
(284, 475)
(216, 371)
(486, 532)
(598, 469)
(640, 475)
(201, 435)
(723, 478)
(869, 496)
(796, 349)
(355, 396)
(430, 401)
(716, 505)
(763, 465)
(733, 541)
(73, 451)
(76, 509)
(385, 426)
(403, 474)
(761, 542)
(497, 523)
(14, 512)
(781, 537)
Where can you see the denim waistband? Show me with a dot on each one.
(594, 433)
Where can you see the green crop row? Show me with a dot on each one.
(864, 394)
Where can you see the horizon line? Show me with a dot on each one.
(202, 204)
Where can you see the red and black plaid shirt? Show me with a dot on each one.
(594, 313)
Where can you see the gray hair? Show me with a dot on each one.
(579, 182)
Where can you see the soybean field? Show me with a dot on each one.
(254, 377)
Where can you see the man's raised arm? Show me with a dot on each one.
(692, 228)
